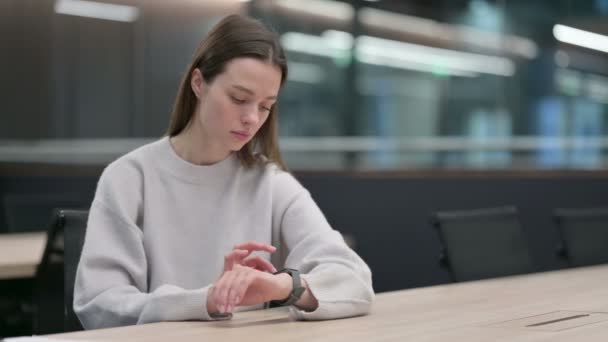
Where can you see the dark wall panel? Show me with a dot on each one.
(388, 215)
(24, 55)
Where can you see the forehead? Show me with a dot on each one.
(262, 77)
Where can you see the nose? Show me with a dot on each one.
(250, 117)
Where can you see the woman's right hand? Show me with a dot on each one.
(240, 255)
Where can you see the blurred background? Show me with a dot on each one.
(393, 110)
(373, 85)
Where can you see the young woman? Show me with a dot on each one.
(182, 228)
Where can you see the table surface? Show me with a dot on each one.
(565, 305)
(20, 254)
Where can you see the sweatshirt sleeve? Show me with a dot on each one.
(338, 278)
(111, 287)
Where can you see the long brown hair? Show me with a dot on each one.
(234, 36)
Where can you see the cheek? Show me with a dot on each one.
(204, 117)
(263, 118)
(223, 109)
(227, 110)
(214, 113)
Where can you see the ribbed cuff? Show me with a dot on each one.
(328, 308)
(216, 316)
(174, 304)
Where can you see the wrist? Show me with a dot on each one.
(285, 286)
(290, 294)
(211, 308)
(307, 302)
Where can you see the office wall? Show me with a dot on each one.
(389, 216)
(386, 213)
(25, 52)
(69, 76)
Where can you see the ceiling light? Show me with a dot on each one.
(579, 37)
(98, 10)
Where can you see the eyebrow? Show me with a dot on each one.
(249, 91)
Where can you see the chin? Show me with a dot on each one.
(237, 147)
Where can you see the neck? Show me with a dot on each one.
(192, 146)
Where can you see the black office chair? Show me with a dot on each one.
(583, 234)
(75, 227)
(482, 243)
(54, 284)
(30, 212)
(48, 283)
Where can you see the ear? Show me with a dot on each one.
(197, 83)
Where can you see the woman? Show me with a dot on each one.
(181, 228)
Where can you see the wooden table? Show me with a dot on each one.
(505, 309)
(20, 254)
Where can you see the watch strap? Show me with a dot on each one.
(297, 289)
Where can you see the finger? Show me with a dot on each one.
(259, 263)
(235, 292)
(256, 246)
(215, 294)
(234, 257)
(243, 284)
(221, 292)
(232, 282)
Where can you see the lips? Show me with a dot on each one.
(241, 135)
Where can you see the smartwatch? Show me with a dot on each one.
(296, 291)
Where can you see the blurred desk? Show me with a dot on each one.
(20, 254)
(506, 309)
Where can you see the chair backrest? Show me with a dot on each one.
(48, 284)
(482, 243)
(25, 212)
(74, 227)
(55, 275)
(584, 235)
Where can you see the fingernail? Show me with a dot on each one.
(237, 300)
(222, 308)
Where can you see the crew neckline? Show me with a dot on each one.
(194, 173)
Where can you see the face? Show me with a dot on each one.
(236, 103)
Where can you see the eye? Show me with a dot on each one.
(237, 100)
(265, 109)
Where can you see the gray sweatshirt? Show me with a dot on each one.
(159, 228)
